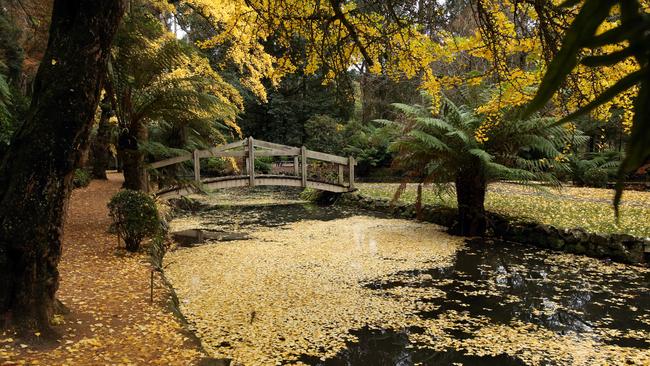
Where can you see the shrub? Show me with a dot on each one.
(135, 217)
(81, 178)
(214, 167)
(324, 133)
(605, 161)
(263, 165)
(595, 177)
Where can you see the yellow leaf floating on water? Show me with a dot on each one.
(298, 290)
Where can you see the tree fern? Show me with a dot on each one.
(164, 85)
(446, 149)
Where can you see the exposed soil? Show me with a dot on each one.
(111, 319)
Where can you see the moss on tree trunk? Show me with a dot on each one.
(36, 172)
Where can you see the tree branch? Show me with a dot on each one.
(338, 14)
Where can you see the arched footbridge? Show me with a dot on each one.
(249, 149)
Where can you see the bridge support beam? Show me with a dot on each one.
(251, 162)
(197, 165)
(303, 165)
(351, 163)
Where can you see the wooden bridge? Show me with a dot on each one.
(249, 149)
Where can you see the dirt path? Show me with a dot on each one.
(111, 320)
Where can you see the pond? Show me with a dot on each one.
(265, 278)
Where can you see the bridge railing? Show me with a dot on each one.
(249, 149)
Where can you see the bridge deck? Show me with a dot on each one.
(244, 181)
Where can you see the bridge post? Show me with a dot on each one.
(341, 178)
(296, 166)
(351, 166)
(197, 165)
(303, 165)
(251, 162)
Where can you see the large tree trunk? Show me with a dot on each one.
(471, 185)
(133, 156)
(101, 152)
(36, 172)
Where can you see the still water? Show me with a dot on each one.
(551, 308)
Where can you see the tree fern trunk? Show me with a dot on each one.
(471, 185)
(100, 147)
(133, 157)
(36, 172)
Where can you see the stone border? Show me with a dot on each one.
(617, 247)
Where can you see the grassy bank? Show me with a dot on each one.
(569, 207)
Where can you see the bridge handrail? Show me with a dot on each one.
(171, 161)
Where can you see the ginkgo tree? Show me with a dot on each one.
(508, 44)
(375, 36)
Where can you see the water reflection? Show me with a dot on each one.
(388, 348)
(189, 238)
(507, 282)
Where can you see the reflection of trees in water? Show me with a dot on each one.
(252, 216)
(388, 348)
(537, 289)
(506, 282)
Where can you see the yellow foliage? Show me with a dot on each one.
(511, 57)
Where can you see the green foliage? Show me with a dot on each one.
(595, 177)
(368, 143)
(134, 216)
(6, 128)
(433, 149)
(632, 32)
(324, 133)
(81, 178)
(214, 167)
(296, 99)
(263, 165)
(11, 53)
(309, 194)
(168, 86)
(11, 59)
(604, 163)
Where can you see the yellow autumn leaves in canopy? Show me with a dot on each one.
(511, 56)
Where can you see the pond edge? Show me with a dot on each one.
(622, 248)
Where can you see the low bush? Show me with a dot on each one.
(595, 177)
(215, 167)
(135, 217)
(263, 165)
(81, 178)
